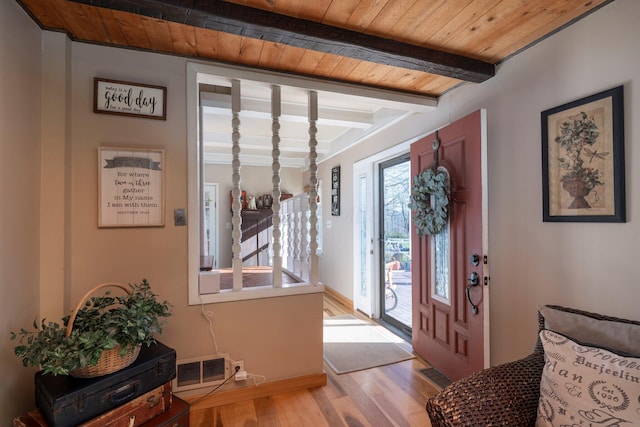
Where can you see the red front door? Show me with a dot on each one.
(449, 329)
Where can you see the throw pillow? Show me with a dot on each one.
(616, 336)
(586, 386)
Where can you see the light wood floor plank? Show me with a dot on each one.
(299, 409)
(202, 418)
(350, 413)
(267, 412)
(392, 404)
(366, 405)
(397, 403)
(326, 405)
(238, 414)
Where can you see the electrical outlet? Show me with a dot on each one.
(239, 364)
(237, 370)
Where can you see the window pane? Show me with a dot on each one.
(441, 264)
(440, 259)
(363, 235)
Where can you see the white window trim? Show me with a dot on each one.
(213, 74)
(194, 72)
(259, 292)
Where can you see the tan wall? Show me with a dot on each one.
(586, 265)
(20, 198)
(277, 338)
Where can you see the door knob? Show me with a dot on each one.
(474, 260)
(474, 280)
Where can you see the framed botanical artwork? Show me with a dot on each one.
(130, 187)
(335, 191)
(583, 178)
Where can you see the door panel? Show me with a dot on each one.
(395, 243)
(449, 333)
(363, 238)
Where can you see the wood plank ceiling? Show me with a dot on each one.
(373, 43)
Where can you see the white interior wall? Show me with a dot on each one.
(585, 265)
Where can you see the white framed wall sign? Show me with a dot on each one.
(129, 99)
(130, 187)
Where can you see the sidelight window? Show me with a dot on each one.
(440, 263)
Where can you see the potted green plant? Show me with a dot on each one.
(98, 331)
(577, 135)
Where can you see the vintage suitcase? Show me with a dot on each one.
(176, 416)
(66, 401)
(137, 411)
(133, 414)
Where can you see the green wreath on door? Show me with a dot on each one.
(430, 201)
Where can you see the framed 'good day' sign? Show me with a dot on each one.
(129, 99)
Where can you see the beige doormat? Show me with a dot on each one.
(351, 344)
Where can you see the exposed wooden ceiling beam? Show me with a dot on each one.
(259, 24)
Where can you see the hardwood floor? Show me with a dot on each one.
(392, 395)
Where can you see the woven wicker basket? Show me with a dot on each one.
(110, 360)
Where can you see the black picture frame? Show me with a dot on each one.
(335, 191)
(583, 174)
(129, 99)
